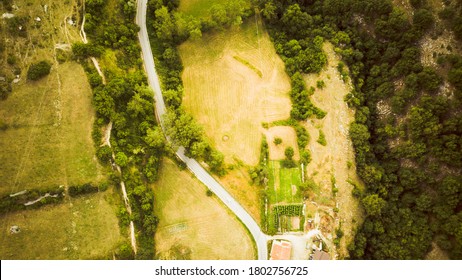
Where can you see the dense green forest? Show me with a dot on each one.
(411, 158)
(125, 100)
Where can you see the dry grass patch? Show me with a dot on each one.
(436, 253)
(236, 182)
(86, 228)
(194, 225)
(332, 160)
(289, 139)
(229, 98)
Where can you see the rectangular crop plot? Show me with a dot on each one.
(290, 179)
(287, 217)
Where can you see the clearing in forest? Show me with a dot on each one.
(85, 228)
(234, 81)
(333, 165)
(193, 225)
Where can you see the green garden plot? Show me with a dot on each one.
(289, 180)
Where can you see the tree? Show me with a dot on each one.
(5, 89)
(373, 204)
(423, 19)
(38, 70)
(305, 157)
(277, 141)
(139, 106)
(182, 128)
(155, 138)
(289, 153)
(416, 4)
(164, 24)
(394, 26)
(104, 153)
(215, 160)
(173, 97)
(295, 20)
(455, 77)
(429, 80)
(104, 103)
(270, 11)
(121, 159)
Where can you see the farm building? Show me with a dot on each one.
(321, 255)
(281, 250)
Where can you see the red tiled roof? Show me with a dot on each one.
(280, 250)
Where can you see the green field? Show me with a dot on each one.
(282, 190)
(48, 141)
(283, 183)
(290, 179)
(83, 228)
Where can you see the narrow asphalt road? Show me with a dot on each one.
(153, 80)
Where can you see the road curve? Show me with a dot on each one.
(153, 80)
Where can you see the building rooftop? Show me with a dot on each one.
(321, 255)
(280, 250)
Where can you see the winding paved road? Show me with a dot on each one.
(259, 237)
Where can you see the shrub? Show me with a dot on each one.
(320, 84)
(305, 157)
(38, 70)
(82, 189)
(322, 138)
(288, 163)
(104, 153)
(289, 153)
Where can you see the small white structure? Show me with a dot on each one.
(7, 15)
(14, 229)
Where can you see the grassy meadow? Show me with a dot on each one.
(82, 228)
(227, 96)
(193, 225)
(47, 140)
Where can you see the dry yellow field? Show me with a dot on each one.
(236, 182)
(225, 93)
(83, 228)
(289, 139)
(194, 221)
(332, 159)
